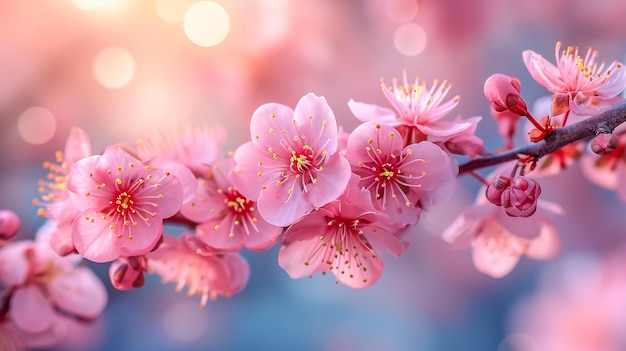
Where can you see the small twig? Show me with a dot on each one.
(560, 137)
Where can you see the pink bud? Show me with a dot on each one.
(9, 224)
(495, 189)
(504, 94)
(518, 195)
(520, 199)
(604, 143)
(127, 273)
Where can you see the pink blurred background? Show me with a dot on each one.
(121, 69)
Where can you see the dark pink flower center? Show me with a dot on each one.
(237, 203)
(301, 161)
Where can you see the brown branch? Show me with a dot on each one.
(603, 122)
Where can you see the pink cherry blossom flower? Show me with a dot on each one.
(228, 220)
(292, 165)
(417, 114)
(608, 171)
(44, 288)
(344, 237)
(56, 201)
(123, 203)
(187, 261)
(402, 180)
(498, 240)
(576, 81)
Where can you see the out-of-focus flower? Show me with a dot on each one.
(9, 224)
(418, 113)
(228, 220)
(123, 203)
(402, 179)
(58, 203)
(577, 83)
(193, 147)
(518, 195)
(187, 261)
(45, 288)
(578, 307)
(344, 237)
(292, 165)
(609, 170)
(498, 240)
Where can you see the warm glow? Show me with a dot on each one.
(410, 39)
(206, 23)
(114, 67)
(401, 11)
(172, 11)
(91, 5)
(36, 125)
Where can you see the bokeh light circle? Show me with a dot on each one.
(410, 39)
(114, 67)
(206, 23)
(36, 125)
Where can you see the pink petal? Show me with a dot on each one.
(547, 244)
(14, 264)
(216, 233)
(543, 71)
(264, 237)
(164, 189)
(186, 178)
(302, 258)
(94, 240)
(280, 208)
(267, 125)
(384, 241)
(31, 311)
(316, 120)
(61, 239)
(496, 252)
(372, 113)
(77, 146)
(444, 128)
(248, 176)
(238, 273)
(79, 292)
(368, 272)
(331, 181)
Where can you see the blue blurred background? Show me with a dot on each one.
(121, 69)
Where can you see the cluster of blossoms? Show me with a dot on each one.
(333, 201)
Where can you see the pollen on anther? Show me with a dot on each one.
(217, 227)
(131, 165)
(147, 168)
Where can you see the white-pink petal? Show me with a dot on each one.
(30, 310)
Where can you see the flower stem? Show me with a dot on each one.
(606, 120)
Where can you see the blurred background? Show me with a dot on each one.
(122, 69)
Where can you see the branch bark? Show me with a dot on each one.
(603, 122)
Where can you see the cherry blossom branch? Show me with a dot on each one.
(603, 122)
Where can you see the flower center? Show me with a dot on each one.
(124, 202)
(236, 202)
(387, 171)
(301, 161)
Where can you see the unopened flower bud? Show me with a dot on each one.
(9, 224)
(127, 273)
(504, 94)
(495, 189)
(518, 195)
(604, 143)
